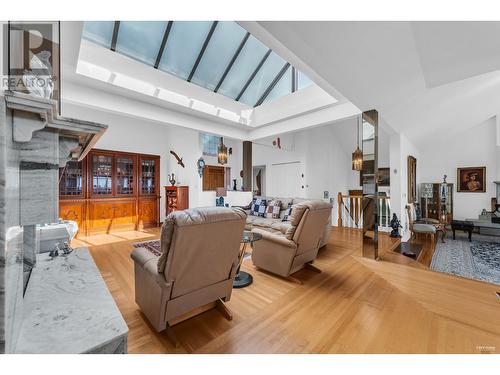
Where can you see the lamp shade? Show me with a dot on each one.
(222, 153)
(357, 160)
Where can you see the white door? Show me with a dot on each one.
(285, 180)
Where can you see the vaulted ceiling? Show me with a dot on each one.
(426, 79)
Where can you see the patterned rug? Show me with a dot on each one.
(152, 246)
(479, 259)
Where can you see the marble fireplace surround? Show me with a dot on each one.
(34, 142)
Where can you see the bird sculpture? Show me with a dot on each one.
(179, 160)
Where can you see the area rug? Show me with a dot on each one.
(152, 246)
(479, 259)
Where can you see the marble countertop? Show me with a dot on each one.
(68, 308)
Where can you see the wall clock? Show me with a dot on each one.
(201, 166)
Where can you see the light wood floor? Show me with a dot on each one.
(355, 305)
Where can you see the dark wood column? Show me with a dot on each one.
(370, 184)
(247, 166)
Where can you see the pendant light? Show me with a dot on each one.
(222, 152)
(357, 155)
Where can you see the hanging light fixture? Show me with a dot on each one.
(222, 152)
(357, 155)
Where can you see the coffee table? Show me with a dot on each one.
(485, 227)
(466, 226)
(244, 279)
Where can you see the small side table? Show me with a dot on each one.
(244, 279)
(466, 226)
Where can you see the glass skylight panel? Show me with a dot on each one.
(303, 81)
(248, 59)
(224, 43)
(283, 86)
(140, 40)
(263, 79)
(184, 43)
(99, 32)
(143, 41)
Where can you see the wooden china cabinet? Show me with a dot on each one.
(111, 191)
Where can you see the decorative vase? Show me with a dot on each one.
(171, 179)
(234, 184)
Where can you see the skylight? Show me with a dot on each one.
(220, 56)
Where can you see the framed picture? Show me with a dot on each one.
(384, 177)
(471, 180)
(412, 179)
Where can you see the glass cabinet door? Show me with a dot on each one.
(148, 176)
(125, 175)
(102, 175)
(71, 179)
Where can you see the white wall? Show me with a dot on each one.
(400, 148)
(324, 154)
(133, 135)
(475, 147)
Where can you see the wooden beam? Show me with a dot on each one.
(247, 166)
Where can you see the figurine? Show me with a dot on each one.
(395, 225)
(55, 251)
(234, 184)
(171, 179)
(66, 248)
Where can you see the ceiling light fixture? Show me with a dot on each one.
(222, 152)
(357, 155)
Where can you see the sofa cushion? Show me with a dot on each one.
(273, 209)
(280, 226)
(259, 206)
(262, 222)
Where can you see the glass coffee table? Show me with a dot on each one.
(244, 279)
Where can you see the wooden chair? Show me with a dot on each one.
(418, 227)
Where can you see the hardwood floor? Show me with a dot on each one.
(355, 305)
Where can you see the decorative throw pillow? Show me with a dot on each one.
(273, 209)
(288, 212)
(259, 207)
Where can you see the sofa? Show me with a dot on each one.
(199, 258)
(278, 225)
(286, 253)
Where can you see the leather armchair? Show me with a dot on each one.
(197, 265)
(285, 254)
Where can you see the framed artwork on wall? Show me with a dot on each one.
(412, 179)
(471, 180)
(384, 177)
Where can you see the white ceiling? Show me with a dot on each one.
(426, 79)
(98, 78)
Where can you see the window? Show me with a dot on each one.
(210, 144)
(220, 56)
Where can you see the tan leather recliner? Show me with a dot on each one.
(200, 249)
(285, 254)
